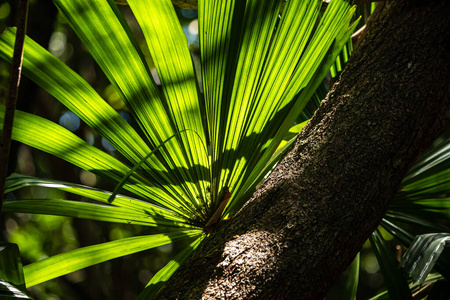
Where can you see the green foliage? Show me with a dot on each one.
(9, 291)
(11, 268)
(422, 205)
(394, 277)
(65, 263)
(423, 254)
(347, 289)
(164, 274)
(251, 99)
(260, 69)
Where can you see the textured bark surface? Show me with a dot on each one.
(306, 223)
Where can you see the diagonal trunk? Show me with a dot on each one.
(306, 223)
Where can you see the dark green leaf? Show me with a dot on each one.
(393, 276)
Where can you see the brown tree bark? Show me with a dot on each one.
(306, 223)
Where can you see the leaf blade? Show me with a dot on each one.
(71, 261)
(158, 281)
(394, 279)
(91, 211)
(47, 136)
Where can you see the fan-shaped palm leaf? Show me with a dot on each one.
(259, 71)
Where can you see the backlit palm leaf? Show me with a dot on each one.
(251, 103)
(259, 67)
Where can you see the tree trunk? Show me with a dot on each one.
(306, 223)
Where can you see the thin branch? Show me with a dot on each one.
(11, 100)
(424, 291)
(358, 34)
(215, 218)
(398, 252)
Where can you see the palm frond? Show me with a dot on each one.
(260, 68)
(77, 259)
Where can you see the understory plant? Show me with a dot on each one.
(201, 148)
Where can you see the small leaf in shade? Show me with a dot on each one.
(347, 284)
(9, 291)
(393, 276)
(11, 266)
(423, 254)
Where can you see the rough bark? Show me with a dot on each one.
(306, 223)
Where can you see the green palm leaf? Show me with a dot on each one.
(248, 88)
(74, 260)
(252, 99)
(90, 211)
(174, 66)
(164, 274)
(299, 103)
(72, 91)
(54, 139)
(76, 94)
(347, 290)
(159, 115)
(103, 30)
(15, 182)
